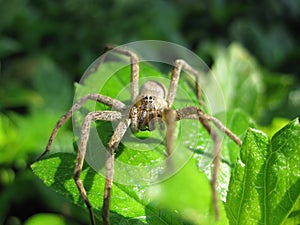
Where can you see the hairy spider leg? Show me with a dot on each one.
(178, 66)
(135, 68)
(109, 165)
(117, 105)
(86, 125)
(197, 114)
(108, 115)
(216, 160)
(170, 119)
(169, 114)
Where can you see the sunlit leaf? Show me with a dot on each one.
(47, 219)
(247, 85)
(265, 185)
(240, 78)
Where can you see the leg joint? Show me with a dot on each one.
(76, 174)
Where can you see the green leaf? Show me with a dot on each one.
(46, 219)
(144, 152)
(182, 193)
(57, 172)
(239, 77)
(247, 85)
(238, 122)
(277, 124)
(265, 185)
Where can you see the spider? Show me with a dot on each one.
(150, 106)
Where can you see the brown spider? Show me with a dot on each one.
(150, 106)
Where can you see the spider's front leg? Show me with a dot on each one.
(85, 132)
(109, 165)
(94, 97)
(100, 115)
(170, 118)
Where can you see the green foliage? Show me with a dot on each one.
(46, 219)
(247, 85)
(44, 46)
(176, 200)
(24, 135)
(266, 181)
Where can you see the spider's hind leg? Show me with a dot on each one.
(196, 113)
(205, 119)
(216, 160)
(134, 61)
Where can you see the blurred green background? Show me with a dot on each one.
(45, 46)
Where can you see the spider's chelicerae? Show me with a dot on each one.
(151, 106)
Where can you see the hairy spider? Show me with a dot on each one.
(151, 106)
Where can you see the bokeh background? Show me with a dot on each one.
(45, 46)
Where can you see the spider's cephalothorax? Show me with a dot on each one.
(148, 109)
(151, 105)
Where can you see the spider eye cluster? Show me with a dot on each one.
(148, 99)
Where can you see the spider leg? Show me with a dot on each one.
(196, 113)
(192, 112)
(179, 65)
(112, 145)
(228, 132)
(170, 118)
(216, 160)
(86, 125)
(95, 97)
(134, 80)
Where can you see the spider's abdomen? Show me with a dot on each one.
(147, 112)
